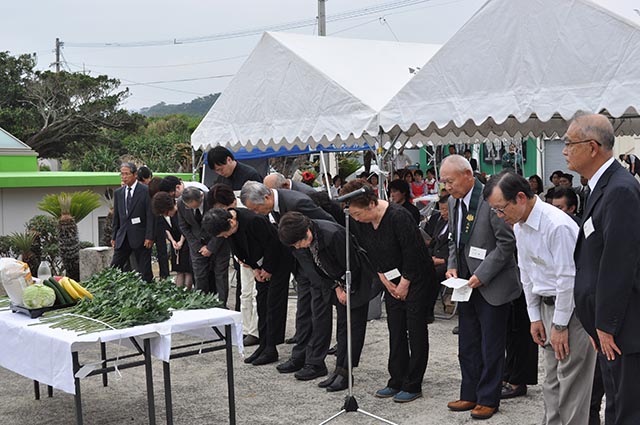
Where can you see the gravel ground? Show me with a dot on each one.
(263, 396)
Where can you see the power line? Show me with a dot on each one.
(177, 65)
(183, 80)
(256, 31)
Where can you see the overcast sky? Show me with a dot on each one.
(30, 26)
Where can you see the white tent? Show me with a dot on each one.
(298, 90)
(526, 67)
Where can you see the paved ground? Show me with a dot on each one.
(263, 395)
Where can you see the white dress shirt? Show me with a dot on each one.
(467, 201)
(593, 181)
(545, 244)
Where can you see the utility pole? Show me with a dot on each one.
(59, 45)
(322, 19)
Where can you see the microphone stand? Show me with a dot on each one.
(350, 402)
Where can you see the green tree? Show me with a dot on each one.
(73, 107)
(16, 116)
(69, 210)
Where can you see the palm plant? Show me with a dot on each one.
(23, 244)
(69, 209)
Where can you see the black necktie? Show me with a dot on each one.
(198, 215)
(276, 216)
(128, 199)
(462, 218)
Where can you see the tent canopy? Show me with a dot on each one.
(299, 90)
(526, 67)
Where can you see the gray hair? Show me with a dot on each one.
(254, 192)
(459, 162)
(191, 194)
(595, 126)
(279, 180)
(130, 165)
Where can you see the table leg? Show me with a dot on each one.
(149, 375)
(230, 383)
(168, 402)
(77, 397)
(36, 389)
(103, 356)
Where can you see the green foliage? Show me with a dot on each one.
(6, 246)
(82, 204)
(45, 231)
(197, 107)
(23, 242)
(347, 165)
(16, 116)
(96, 158)
(86, 244)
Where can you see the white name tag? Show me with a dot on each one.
(392, 274)
(588, 228)
(477, 253)
(135, 220)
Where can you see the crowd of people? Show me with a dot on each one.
(554, 268)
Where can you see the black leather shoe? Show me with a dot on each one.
(341, 383)
(333, 350)
(267, 357)
(250, 340)
(513, 391)
(290, 366)
(254, 356)
(328, 381)
(309, 372)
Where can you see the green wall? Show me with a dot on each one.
(18, 163)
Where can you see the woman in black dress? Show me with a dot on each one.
(254, 242)
(164, 206)
(393, 243)
(326, 241)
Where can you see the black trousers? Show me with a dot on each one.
(481, 347)
(272, 308)
(142, 255)
(313, 315)
(521, 364)
(358, 331)
(597, 392)
(161, 247)
(408, 338)
(622, 385)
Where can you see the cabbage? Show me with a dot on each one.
(38, 296)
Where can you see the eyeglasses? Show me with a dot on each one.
(568, 142)
(500, 210)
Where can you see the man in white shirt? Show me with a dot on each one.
(545, 240)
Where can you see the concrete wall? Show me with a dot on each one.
(19, 205)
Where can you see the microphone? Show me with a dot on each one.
(353, 194)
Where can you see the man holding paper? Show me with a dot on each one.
(545, 238)
(481, 249)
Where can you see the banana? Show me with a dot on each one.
(80, 289)
(69, 288)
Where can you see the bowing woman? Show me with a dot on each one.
(393, 243)
(326, 242)
(254, 242)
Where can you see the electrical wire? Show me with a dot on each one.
(256, 31)
(177, 65)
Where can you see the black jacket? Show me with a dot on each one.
(138, 225)
(607, 255)
(331, 242)
(256, 243)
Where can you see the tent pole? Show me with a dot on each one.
(323, 170)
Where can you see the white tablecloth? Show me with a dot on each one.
(44, 354)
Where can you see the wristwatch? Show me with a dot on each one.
(560, 328)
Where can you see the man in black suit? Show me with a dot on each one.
(607, 255)
(132, 223)
(206, 253)
(230, 171)
(313, 314)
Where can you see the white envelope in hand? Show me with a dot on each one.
(455, 282)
